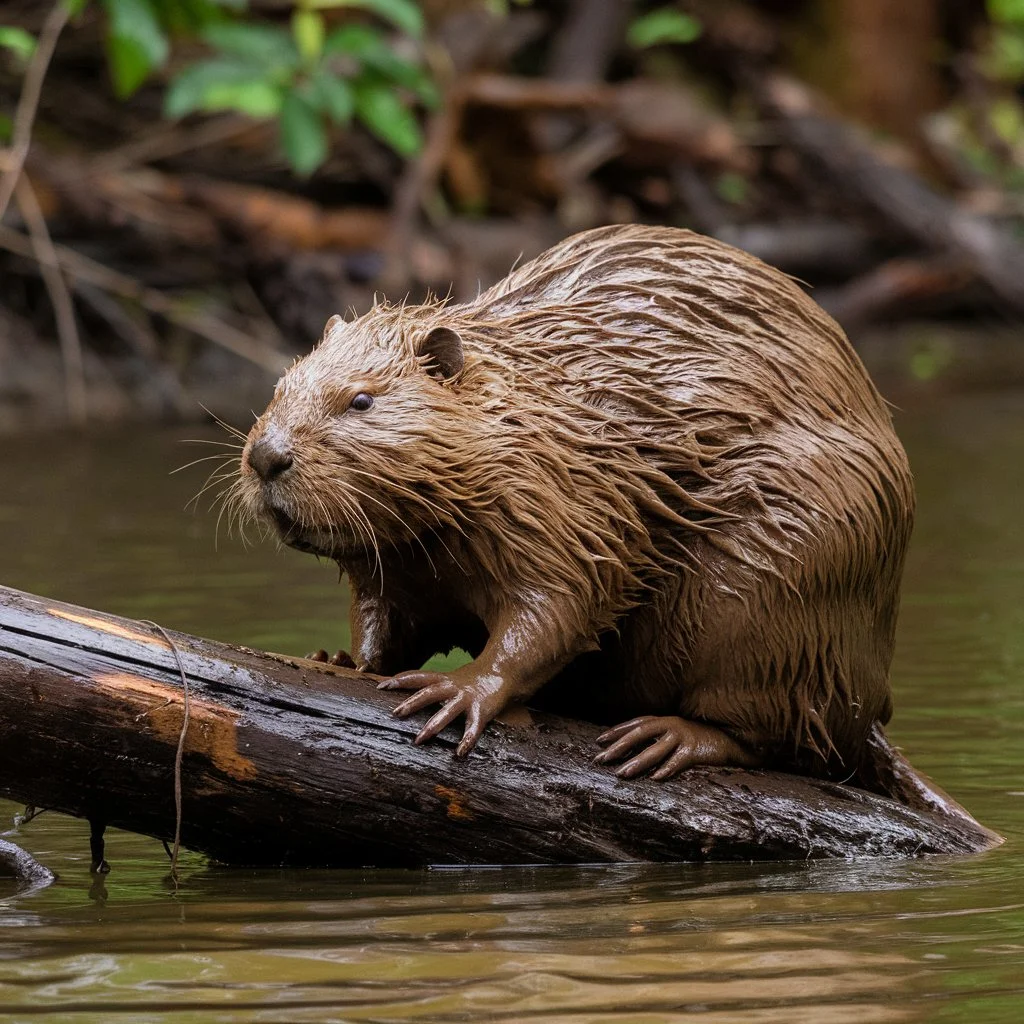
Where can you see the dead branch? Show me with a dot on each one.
(205, 325)
(900, 196)
(60, 299)
(28, 102)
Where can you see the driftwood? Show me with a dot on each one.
(27, 872)
(290, 762)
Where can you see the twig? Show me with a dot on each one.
(171, 141)
(85, 269)
(28, 102)
(513, 92)
(60, 299)
(179, 753)
(419, 178)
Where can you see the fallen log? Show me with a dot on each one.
(286, 761)
(902, 198)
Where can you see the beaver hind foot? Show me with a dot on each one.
(674, 744)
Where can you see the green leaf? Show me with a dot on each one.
(75, 7)
(6, 128)
(354, 41)
(403, 14)
(334, 96)
(1006, 11)
(1005, 59)
(731, 187)
(135, 43)
(308, 33)
(380, 109)
(254, 99)
(302, 134)
(665, 25)
(189, 17)
(129, 65)
(18, 41)
(260, 44)
(371, 49)
(223, 83)
(410, 76)
(1007, 118)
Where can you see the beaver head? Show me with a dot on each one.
(360, 437)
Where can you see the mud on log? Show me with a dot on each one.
(290, 762)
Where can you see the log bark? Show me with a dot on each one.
(290, 762)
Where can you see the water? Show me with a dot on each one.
(99, 522)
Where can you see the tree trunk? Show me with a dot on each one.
(877, 59)
(290, 762)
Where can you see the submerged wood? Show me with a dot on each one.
(290, 762)
(20, 865)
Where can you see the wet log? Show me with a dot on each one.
(23, 868)
(289, 762)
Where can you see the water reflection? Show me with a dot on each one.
(778, 943)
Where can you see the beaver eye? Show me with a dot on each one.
(361, 402)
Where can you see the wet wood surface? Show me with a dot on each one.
(290, 762)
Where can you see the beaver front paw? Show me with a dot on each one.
(340, 658)
(674, 744)
(479, 698)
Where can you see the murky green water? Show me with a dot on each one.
(99, 522)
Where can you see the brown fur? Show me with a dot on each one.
(661, 483)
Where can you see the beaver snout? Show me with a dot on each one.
(270, 455)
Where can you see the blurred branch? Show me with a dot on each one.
(903, 198)
(13, 159)
(897, 284)
(81, 267)
(60, 298)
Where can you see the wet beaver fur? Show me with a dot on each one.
(642, 480)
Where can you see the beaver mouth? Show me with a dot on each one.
(291, 533)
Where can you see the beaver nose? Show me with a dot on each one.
(270, 456)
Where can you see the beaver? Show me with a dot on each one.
(644, 480)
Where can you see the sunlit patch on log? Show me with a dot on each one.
(106, 626)
(457, 808)
(212, 731)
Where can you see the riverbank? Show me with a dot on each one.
(911, 362)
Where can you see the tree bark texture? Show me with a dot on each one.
(289, 762)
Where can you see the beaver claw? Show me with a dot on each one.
(674, 744)
(340, 658)
(473, 698)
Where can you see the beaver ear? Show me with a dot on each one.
(331, 324)
(441, 347)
